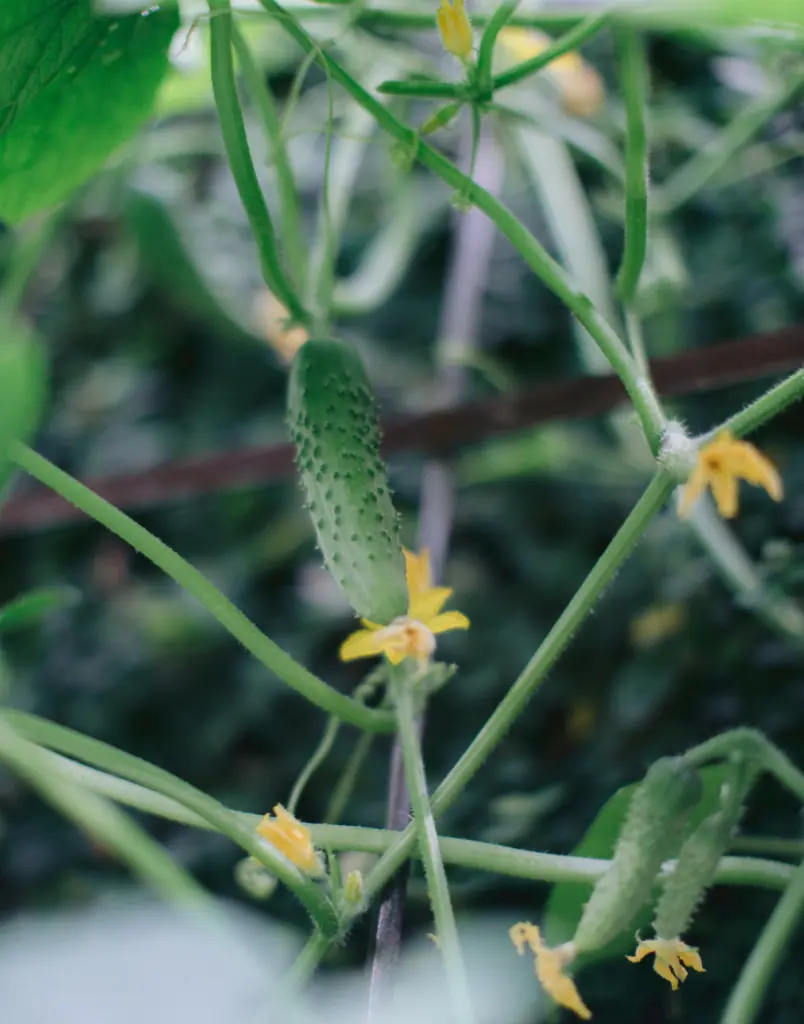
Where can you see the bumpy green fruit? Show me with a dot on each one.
(653, 830)
(333, 423)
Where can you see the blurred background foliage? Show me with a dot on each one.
(154, 358)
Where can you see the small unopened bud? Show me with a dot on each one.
(653, 829)
(353, 890)
(254, 880)
(455, 28)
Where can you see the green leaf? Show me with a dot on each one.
(567, 899)
(27, 608)
(73, 87)
(23, 384)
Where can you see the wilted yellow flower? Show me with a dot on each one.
(271, 320)
(549, 966)
(411, 635)
(721, 464)
(581, 87)
(455, 28)
(287, 834)
(672, 958)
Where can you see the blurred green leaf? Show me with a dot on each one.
(23, 382)
(28, 608)
(73, 87)
(567, 900)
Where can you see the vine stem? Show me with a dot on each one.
(634, 82)
(541, 263)
(40, 731)
(102, 821)
(790, 390)
(290, 218)
(235, 140)
(577, 36)
(191, 580)
(747, 995)
(468, 853)
(429, 850)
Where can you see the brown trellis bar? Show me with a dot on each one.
(435, 433)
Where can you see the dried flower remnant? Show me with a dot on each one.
(287, 834)
(673, 957)
(549, 965)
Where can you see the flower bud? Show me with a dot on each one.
(254, 880)
(455, 28)
(353, 891)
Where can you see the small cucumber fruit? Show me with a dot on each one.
(333, 423)
(652, 833)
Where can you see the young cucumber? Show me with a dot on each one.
(333, 423)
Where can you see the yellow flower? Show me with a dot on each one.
(723, 462)
(286, 833)
(549, 966)
(411, 635)
(455, 28)
(580, 86)
(672, 959)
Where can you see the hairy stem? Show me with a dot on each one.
(191, 580)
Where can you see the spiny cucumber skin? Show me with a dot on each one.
(657, 816)
(333, 423)
(694, 872)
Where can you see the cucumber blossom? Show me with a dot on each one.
(333, 423)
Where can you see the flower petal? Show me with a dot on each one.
(759, 470)
(692, 958)
(724, 491)
(447, 620)
(363, 643)
(428, 604)
(417, 572)
(692, 489)
(662, 968)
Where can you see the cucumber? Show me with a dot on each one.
(652, 833)
(333, 423)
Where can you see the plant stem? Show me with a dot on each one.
(74, 744)
(224, 88)
(346, 783)
(546, 268)
(424, 825)
(770, 846)
(752, 744)
(634, 83)
(554, 644)
(191, 580)
(422, 90)
(575, 37)
(103, 822)
(747, 995)
(705, 163)
(468, 853)
(777, 610)
(766, 407)
(317, 758)
(485, 53)
(290, 216)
